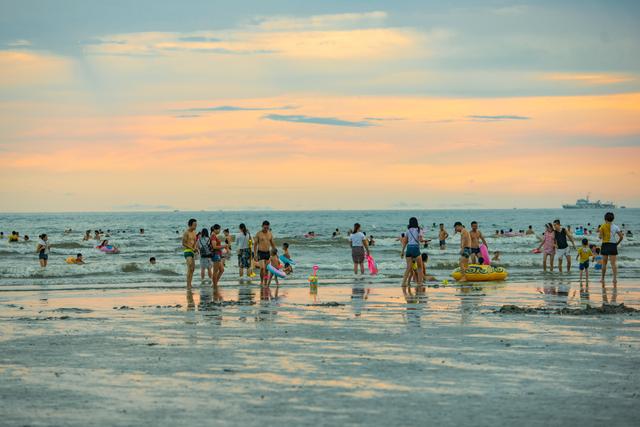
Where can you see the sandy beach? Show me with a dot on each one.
(352, 354)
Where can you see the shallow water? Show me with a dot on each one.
(19, 265)
(351, 354)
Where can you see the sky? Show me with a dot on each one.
(192, 105)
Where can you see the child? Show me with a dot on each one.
(496, 258)
(598, 259)
(584, 253)
(275, 263)
(79, 259)
(285, 253)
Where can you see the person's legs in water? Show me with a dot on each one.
(191, 266)
(605, 260)
(614, 268)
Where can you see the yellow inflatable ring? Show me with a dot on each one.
(481, 273)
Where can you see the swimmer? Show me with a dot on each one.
(142, 231)
(152, 260)
(371, 241)
(465, 249)
(496, 257)
(189, 249)
(26, 238)
(443, 235)
(530, 231)
(79, 259)
(87, 235)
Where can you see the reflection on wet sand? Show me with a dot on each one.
(359, 295)
(416, 299)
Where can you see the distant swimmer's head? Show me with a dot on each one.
(585, 242)
(609, 217)
(458, 226)
(266, 225)
(413, 222)
(204, 232)
(192, 223)
(79, 257)
(152, 260)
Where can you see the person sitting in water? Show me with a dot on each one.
(14, 237)
(152, 260)
(629, 233)
(371, 241)
(26, 238)
(1, 235)
(496, 257)
(87, 235)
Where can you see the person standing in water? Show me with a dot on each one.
(476, 237)
(611, 236)
(189, 249)
(262, 250)
(411, 242)
(204, 247)
(43, 250)
(359, 245)
(561, 235)
(548, 245)
(465, 249)
(244, 251)
(217, 246)
(443, 235)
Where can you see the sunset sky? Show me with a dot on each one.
(153, 105)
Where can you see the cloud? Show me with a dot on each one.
(587, 79)
(19, 43)
(330, 121)
(237, 108)
(496, 118)
(383, 119)
(339, 36)
(329, 21)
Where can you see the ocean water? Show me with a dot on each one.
(130, 268)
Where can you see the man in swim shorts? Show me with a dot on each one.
(442, 237)
(189, 249)
(465, 249)
(262, 250)
(562, 247)
(476, 237)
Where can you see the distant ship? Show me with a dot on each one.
(587, 204)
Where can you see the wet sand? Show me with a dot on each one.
(354, 353)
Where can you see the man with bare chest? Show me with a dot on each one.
(262, 250)
(476, 236)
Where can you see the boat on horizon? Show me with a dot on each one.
(587, 204)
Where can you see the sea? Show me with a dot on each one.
(130, 269)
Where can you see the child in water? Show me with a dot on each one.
(285, 253)
(274, 260)
(597, 259)
(584, 254)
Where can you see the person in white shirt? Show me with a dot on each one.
(359, 245)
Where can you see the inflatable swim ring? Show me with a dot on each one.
(536, 251)
(109, 249)
(274, 271)
(481, 273)
(484, 253)
(371, 264)
(71, 260)
(286, 260)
